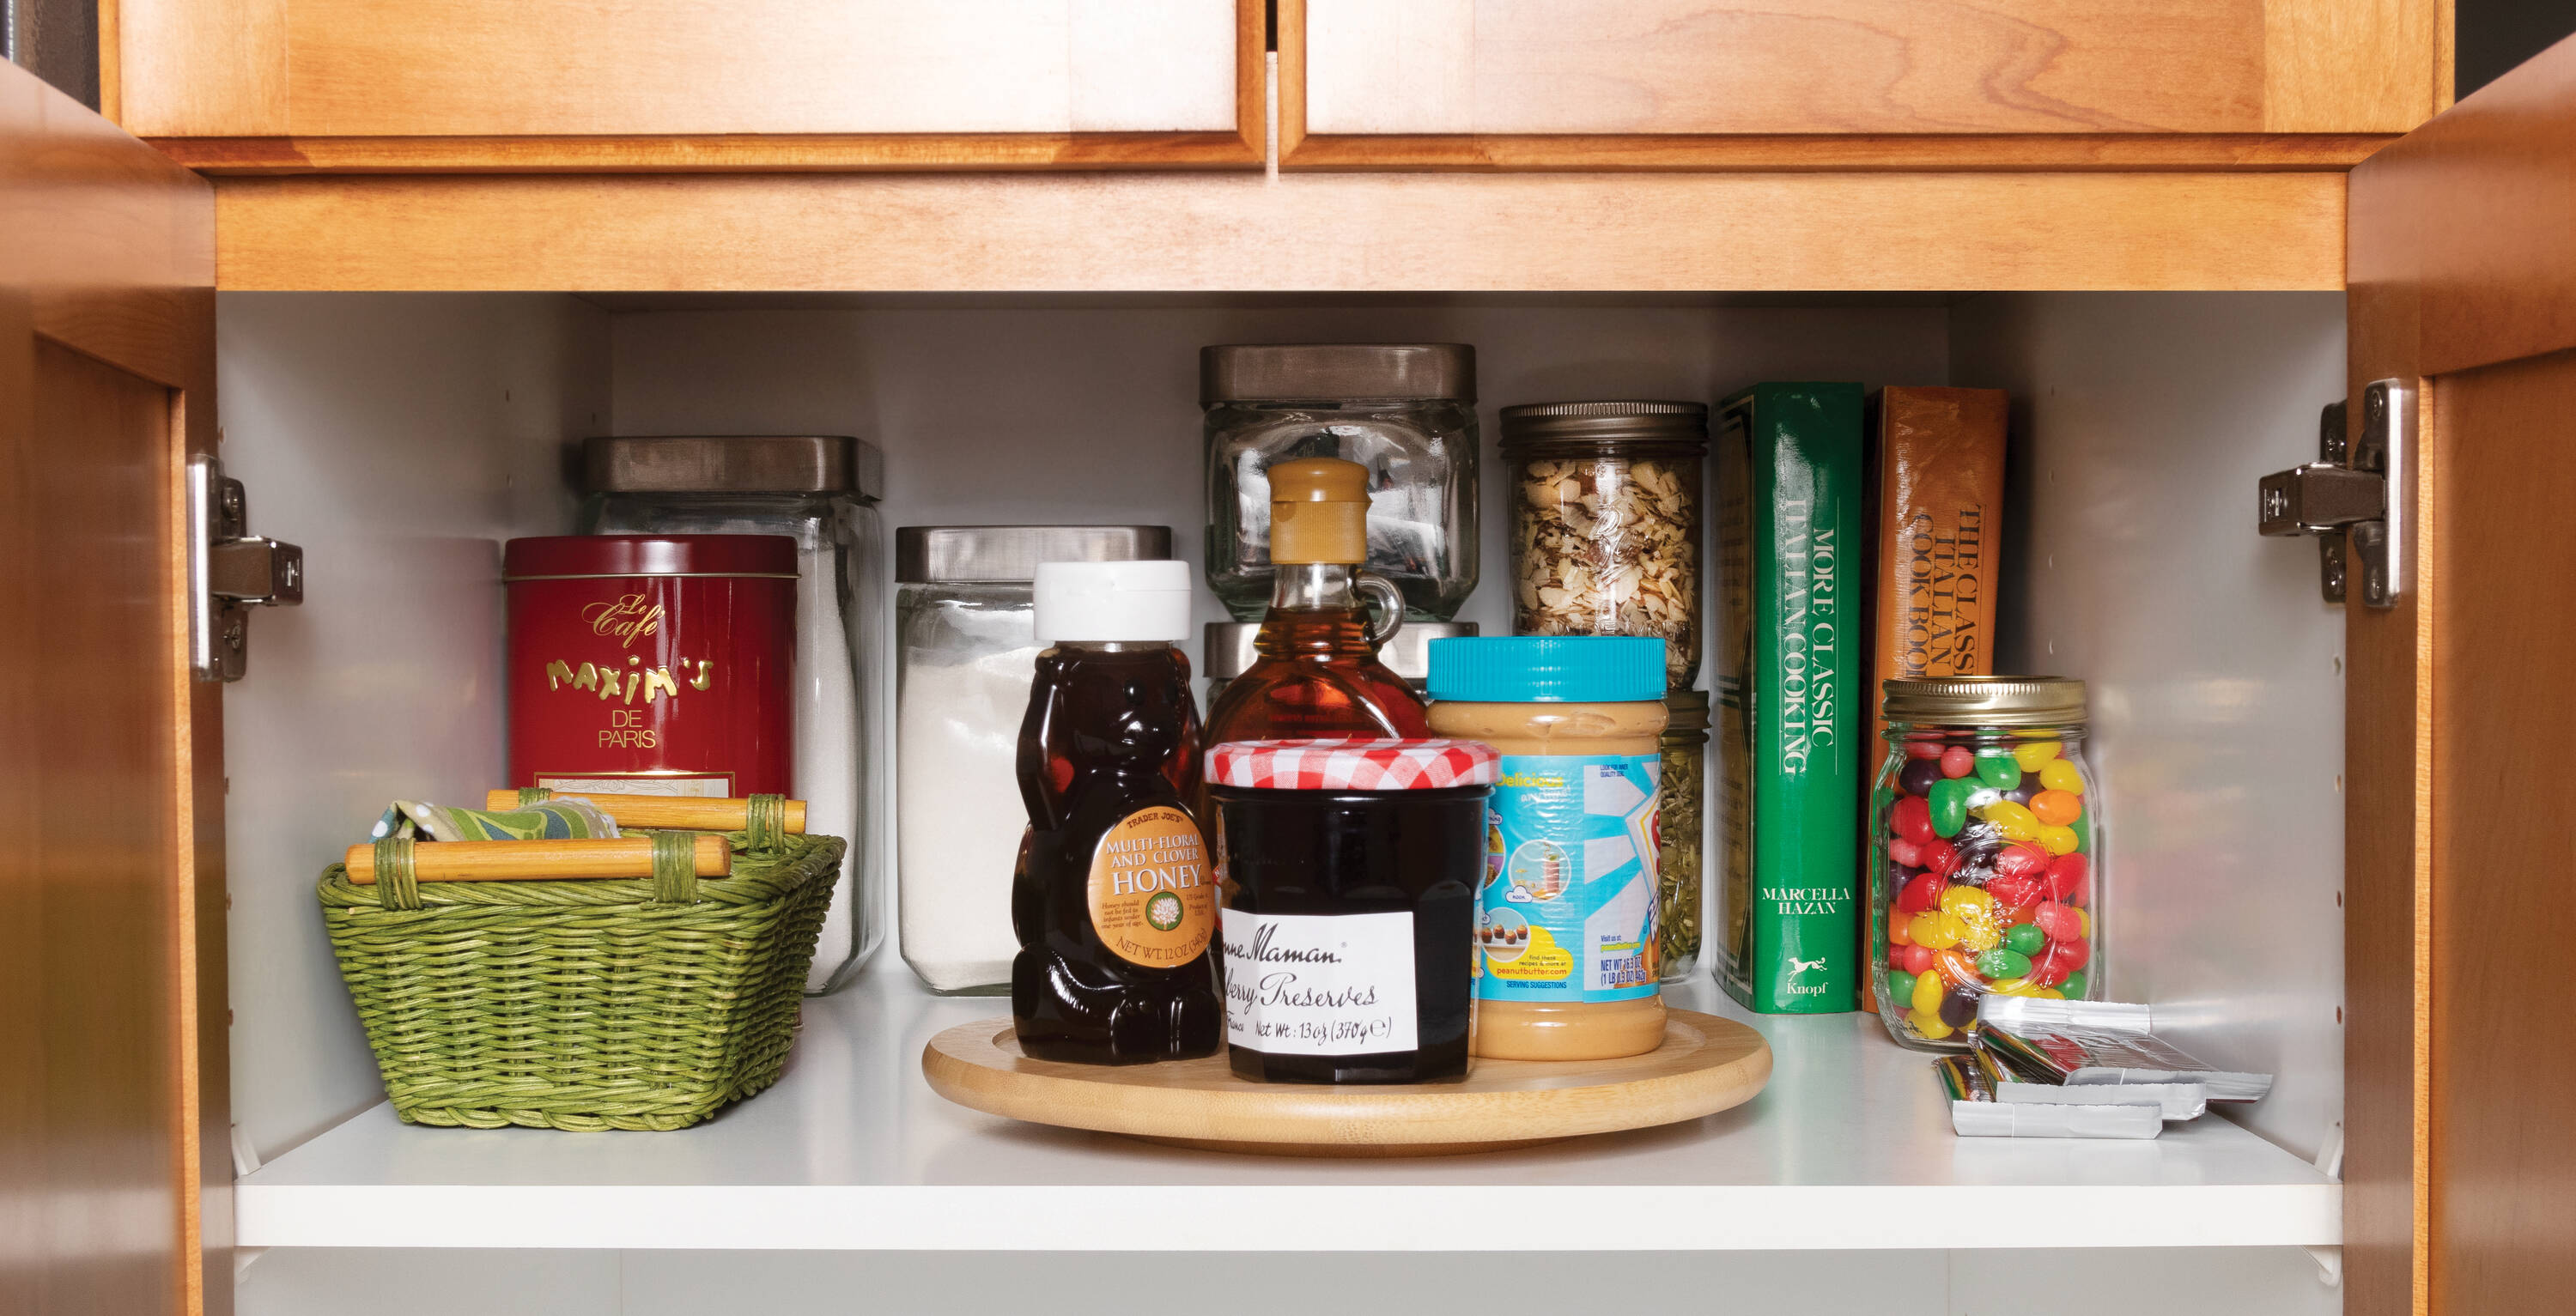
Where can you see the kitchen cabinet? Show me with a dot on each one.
(287, 86)
(1854, 84)
(2333, 817)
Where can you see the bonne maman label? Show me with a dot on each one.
(1320, 984)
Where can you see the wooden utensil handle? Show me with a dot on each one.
(696, 813)
(537, 861)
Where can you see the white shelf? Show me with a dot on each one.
(1849, 1147)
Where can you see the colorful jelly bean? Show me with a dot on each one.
(1959, 1008)
(2057, 808)
(1916, 959)
(1940, 857)
(1956, 761)
(2060, 775)
(2073, 987)
(1900, 985)
(2060, 922)
(1928, 931)
(1961, 899)
(1929, 1024)
(2002, 962)
(2016, 916)
(2032, 755)
(2069, 878)
(1911, 818)
(2021, 861)
(1957, 970)
(2013, 987)
(1948, 806)
(1926, 996)
(1897, 919)
(2015, 822)
(1981, 935)
(2015, 891)
(1995, 769)
(1921, 893)
(1908, 854)
(2059, 840)
(2025, 940)
(1924, 749)
(1917, 776)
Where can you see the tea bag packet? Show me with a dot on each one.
(563, 819)
(1979, 1108)
(2077, 1044)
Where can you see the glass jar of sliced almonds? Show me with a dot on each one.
(1606, 522)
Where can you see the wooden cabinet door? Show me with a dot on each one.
(114, 1176)
(1854, 84)
(2461, 1062)
(482, 86)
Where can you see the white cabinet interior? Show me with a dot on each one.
(399, 437)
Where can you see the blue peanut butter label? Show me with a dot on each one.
(1567, 909)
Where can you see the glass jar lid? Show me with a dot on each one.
(1992, 701)
(733, 463)
(1010, 554)
(1542, 425)
(1337, 372)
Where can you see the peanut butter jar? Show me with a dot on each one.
(1567, 957)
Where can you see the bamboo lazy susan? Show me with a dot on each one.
(1705, 1065)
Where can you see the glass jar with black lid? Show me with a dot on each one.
(1349, 923)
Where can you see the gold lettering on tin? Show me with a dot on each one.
(658, 682)
(629, 618)
(701, 680)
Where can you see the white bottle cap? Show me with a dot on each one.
(1127, 601)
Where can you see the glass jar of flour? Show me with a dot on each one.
(965, 653)
(821, 491)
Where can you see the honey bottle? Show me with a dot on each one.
(1114, 900)
(1317, 673)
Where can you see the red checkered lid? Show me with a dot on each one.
(1350, 763)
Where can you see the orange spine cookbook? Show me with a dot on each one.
(1935, 512)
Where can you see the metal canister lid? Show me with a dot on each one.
(1007, 554)
(582, 557)
(1337, 372)
(1407, 653)
(733, 463)
(1535, 423)
(1989, 701)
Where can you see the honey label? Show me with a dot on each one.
(1153, 899)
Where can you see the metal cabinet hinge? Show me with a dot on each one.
(2351, 494)
(230, 571)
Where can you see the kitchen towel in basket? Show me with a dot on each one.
(571, 818)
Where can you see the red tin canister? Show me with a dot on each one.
(651, 664)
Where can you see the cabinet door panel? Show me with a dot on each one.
(112, 1073)
(361, 83)
(1671, 83)
(2461, 1085)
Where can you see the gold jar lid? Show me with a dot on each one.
(1993, 701)
(1686, 712)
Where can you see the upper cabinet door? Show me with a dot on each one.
(274, 86)
(2460, 1085)
(115, 1174)
(1702, 84)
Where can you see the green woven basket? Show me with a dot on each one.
(605, 1004)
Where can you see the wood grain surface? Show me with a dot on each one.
(1706, 1064)
(2459, 1089)
(537, 861)
(677, 85)
(1547, 84)
(1228, 232)
(115, 1186)
(690, 812)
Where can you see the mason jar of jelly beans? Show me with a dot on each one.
(1985, 850)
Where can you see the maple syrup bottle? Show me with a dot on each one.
(1317, 674)
(1114, 900)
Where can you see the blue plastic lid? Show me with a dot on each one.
(1547, 669)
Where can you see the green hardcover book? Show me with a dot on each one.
(1791, 656)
